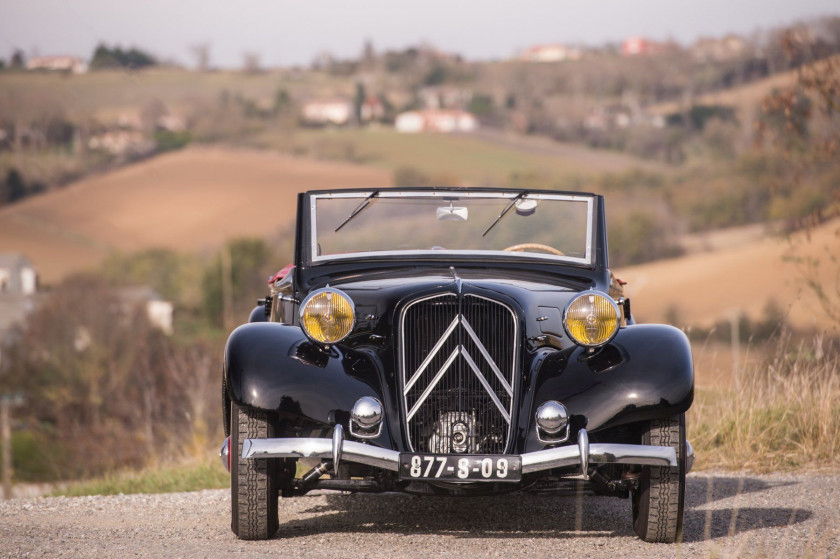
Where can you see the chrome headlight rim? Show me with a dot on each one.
(587, 293)
(308, 299)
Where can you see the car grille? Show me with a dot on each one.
(458, 364)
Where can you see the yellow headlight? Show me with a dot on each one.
(591, 319)
(327, 316)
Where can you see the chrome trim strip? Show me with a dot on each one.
(433, 383)
(489, 389)
(562, 456)
(486, 355)
(599, 453)
(455, 252)
(351, 451)
(432, 353)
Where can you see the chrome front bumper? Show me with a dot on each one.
(582, 454)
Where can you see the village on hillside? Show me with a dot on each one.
(641, 96)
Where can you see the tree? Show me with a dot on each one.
(251, 62)
(282, 102)
(368, 56)
(14, 187)
(109, 58)
(359, 100)
(201, 53)
(18, 60)
(241, 268)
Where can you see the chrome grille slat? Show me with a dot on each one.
(471, 343)
(431, 355)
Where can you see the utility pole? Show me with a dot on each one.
(6, 403)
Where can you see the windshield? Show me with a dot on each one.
(439, 222)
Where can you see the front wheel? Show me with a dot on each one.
(253, 482)
(659, 500)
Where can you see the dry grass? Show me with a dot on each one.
(781, 413)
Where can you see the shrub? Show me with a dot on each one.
(167, 140)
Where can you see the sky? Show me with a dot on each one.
(288, 33)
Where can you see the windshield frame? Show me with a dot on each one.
(309, 243)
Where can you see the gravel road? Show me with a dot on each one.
(726, 515)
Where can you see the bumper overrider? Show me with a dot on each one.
(582, 454)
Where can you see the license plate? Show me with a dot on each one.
(460, 467)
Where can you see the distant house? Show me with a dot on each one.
(439, 120)
(17, 275)
(620, 116)
(444, 97)
(172, 123)
(327, 111)
(72, 64)
(158, 310)
(635, 46)
(18, 289)
(550, 53)
(121, 142)
(372, 109)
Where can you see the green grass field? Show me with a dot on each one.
(457, 158)
(207, 474)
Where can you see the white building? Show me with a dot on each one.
(158, 310)
(436, 121)
(327, 111)
(18, 291)
(551, 53)
(17, 275)
(72, 64)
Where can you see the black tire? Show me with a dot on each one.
(659, 501)
(253, 483)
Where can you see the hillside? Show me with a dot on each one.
(189, 200)
(195, 199)
(707, 287)
(745, 99)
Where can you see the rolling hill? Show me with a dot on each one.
(189, 200)
(740, 277)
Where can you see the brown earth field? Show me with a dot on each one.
(191, 200)
(708, 287)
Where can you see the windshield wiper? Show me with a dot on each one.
(365, 203)
(506, 210)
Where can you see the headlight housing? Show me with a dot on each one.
(591, 319)
(327, 316)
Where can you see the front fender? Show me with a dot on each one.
(274, 367)
(646, 372)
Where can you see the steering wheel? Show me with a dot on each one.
(533, 246)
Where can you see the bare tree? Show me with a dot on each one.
(201, 53)
(251, 62)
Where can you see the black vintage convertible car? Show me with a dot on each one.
(452, 341)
